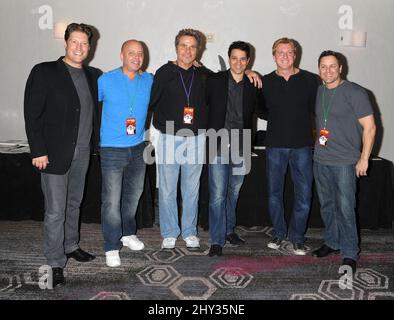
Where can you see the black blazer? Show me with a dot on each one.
(52, 109)
(217, 94)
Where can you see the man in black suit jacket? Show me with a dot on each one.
(232, 100)
(61, 124)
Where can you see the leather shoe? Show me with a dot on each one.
(215, 250)
(324, 251)
(57, 277)
(80, 255)
(351, 263)
(234, 239)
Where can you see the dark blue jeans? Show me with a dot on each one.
(123, 173)
(224, 188)
(300, 162)
(336, 187)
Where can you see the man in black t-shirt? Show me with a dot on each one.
(289, 95)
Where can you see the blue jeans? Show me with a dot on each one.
(224, 189)
(300, 162)
(63, 195)
(336, 187)
(182, 155)
(123, 175)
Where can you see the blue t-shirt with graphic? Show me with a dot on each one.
(123, 99)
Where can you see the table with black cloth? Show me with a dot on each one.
(22, 198)
(374, 197)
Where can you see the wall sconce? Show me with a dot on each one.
(350, 38)
(59, 29)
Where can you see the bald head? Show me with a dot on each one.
(128, 42)
(132, 56)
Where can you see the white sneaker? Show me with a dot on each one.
(168, 243)
(132, 242)
(112, 258)
(192, 242)
(299, 249)
(275, 243)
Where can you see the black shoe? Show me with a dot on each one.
(324, 251)
(57, 277)
(215, 250)
(351, 263)
(80, 255)
(234, 239)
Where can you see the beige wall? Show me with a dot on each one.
(314, 23)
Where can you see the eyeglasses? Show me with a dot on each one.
(185, 47)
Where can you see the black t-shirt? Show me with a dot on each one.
(168, 97)
(290, 105)
(234, 117)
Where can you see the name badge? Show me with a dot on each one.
(131, 126)
(188, 115)
(324, 137)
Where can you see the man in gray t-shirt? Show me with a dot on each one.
(345, 135)
(344, 106)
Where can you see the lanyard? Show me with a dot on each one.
(187, 92)
(326, 108)
(132, 99)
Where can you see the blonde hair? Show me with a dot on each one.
(283, 40)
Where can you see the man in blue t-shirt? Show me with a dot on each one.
(125, 94)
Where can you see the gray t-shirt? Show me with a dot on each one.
(346, 104)
(86, 113)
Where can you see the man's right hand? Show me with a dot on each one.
(40, 162)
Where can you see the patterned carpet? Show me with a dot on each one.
(249, 272)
